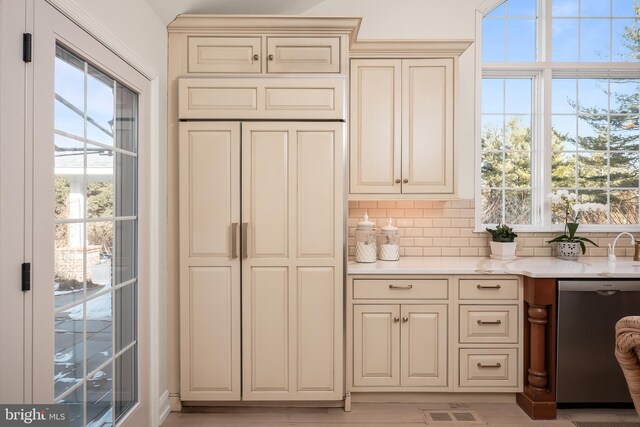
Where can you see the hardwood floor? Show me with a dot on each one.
(388, 414)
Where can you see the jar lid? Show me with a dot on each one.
(365, 223)
(389, 228)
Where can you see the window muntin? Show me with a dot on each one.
(586, 136)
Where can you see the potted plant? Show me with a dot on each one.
(564, 205)
(503, 245)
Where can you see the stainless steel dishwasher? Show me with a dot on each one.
(587, 369)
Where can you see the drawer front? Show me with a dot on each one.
(489, 324)
(401, 289)
(224, 55)
(303, 55)
(488, 289)
(267, 98)
(488, 367)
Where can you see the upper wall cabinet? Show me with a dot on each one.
(254, 45)
(403, 120)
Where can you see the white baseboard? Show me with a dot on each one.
(175, 403)
(164, 409)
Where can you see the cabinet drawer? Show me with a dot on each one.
(488, 289)
(489, 324)
(224, 55)
(488, 367)
(401, 289)
(303, 55)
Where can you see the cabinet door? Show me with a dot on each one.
(424, 345)
(209, 262)
(303, 54)
(376, 345)
(427, 126)
(292, 266)
(224, 55)
(375, 127)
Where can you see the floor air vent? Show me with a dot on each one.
(455, 416)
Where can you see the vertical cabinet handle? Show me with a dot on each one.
(245, 249)
(234, 240)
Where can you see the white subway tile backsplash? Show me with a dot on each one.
(445, 228)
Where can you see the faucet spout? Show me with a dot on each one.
(612, 251)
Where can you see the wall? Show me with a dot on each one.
(134, 24)
(445, 228)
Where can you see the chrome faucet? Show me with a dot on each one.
(612, 249)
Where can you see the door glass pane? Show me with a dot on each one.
(96, 141)
(127, 380)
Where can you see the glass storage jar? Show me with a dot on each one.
(389, 243)
(365, 240)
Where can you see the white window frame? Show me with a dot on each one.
(544, 70)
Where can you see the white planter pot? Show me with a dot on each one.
(567, 250)
(504, 251)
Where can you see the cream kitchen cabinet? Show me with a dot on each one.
(400, 345)
(292, 261)
(287, 241)
(210, 265)
(399, 334)
(431, 333)
(401, 134)
(253, 45)
(239, 55)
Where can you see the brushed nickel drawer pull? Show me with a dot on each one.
(234, 240)
(482, 365)
(400, 287)
(405, 319)
(489, 287)
(396, 319)
(496, 322)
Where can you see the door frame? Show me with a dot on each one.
(50, 26)
(13, 302)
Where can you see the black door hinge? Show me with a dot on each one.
(26, 276)
(26, 47)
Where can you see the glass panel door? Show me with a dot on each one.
(95, 287)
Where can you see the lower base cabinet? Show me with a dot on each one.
(400, 345)
(434, 334)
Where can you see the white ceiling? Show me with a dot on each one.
(167, 10)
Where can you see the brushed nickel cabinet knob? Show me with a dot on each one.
(270, 57)
(406, 181)
(398, 180)
(396, 319)
(256, 57)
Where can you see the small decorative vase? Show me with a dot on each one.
(567, 250)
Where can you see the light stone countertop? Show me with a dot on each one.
(584, 267)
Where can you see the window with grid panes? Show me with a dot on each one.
(560, 95)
